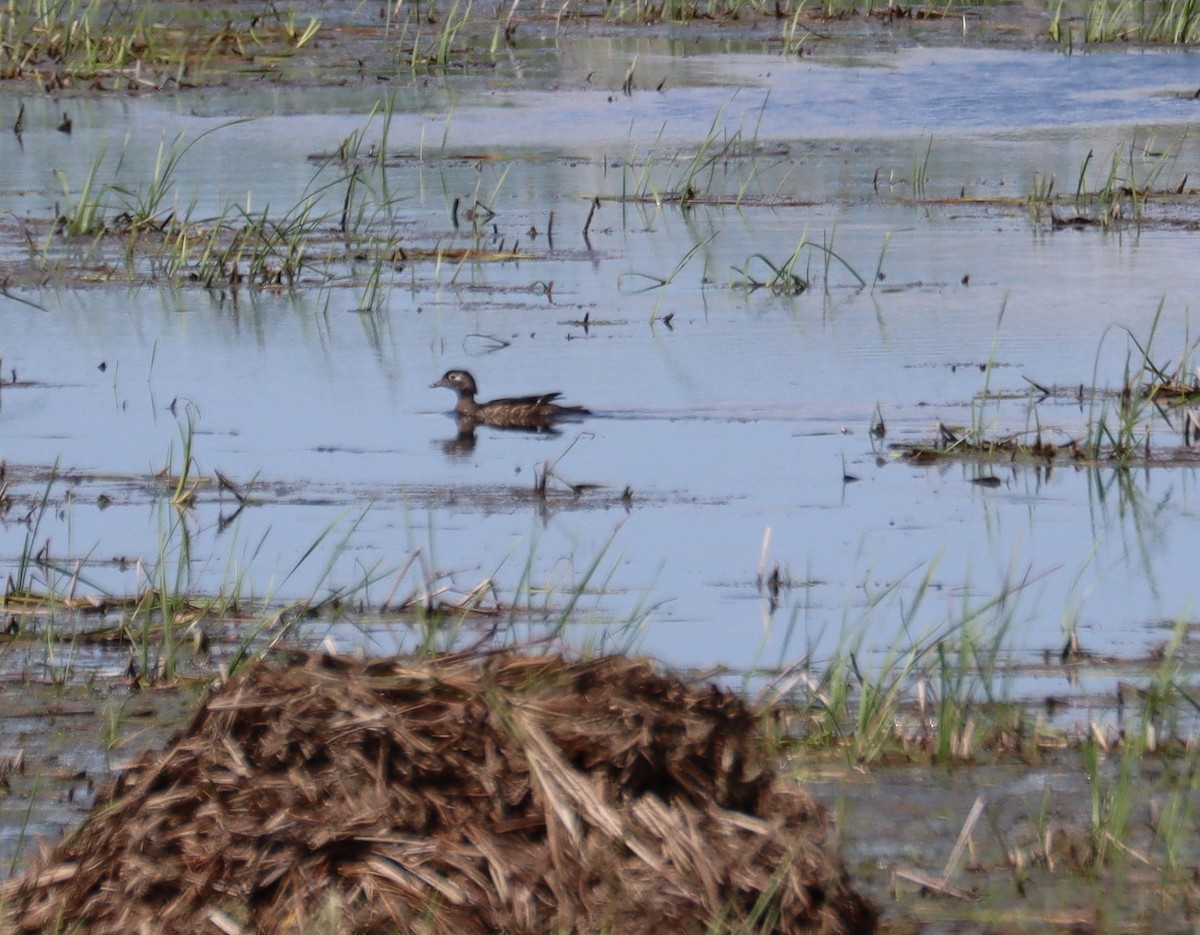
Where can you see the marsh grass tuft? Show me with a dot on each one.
(1171, 22)
(1120, 424)
(1149, 392)
(340, 232)
(129, 45)
(1133, 189)
(939, 695)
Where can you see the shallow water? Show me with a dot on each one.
(737, 421)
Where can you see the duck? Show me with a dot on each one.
(528, 412)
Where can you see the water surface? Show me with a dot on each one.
(738, 421)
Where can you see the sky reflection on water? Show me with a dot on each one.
(741, 418)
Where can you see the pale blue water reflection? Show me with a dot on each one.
(338, 429)
(741, 417)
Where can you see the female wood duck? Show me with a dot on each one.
(527, 412)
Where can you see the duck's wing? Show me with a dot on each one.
(523, 400)
(548, 400)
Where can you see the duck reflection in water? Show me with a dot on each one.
(538, 413)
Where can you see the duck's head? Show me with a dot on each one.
(458, 380)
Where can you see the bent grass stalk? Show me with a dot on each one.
(299, 38)
(23, 583)
(920, 173)
(284, 619)
(653, 281)
(977, 408)
(1123, 440)
(24, 830)
(163, 602)
(184, 491)
(688, 190)
(783, 278)
(144, 206)
(82, 214)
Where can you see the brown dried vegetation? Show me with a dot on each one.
(509, 793)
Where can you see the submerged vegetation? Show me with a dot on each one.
(941, 693)
(124, 45)
(351, 228)
(168, 620)
(112, 232)
(119, 45)
(1120, 427)
(1127, 858)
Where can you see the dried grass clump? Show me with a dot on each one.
(451, 795)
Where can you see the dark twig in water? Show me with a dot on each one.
(588, 223)
(226, 484)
